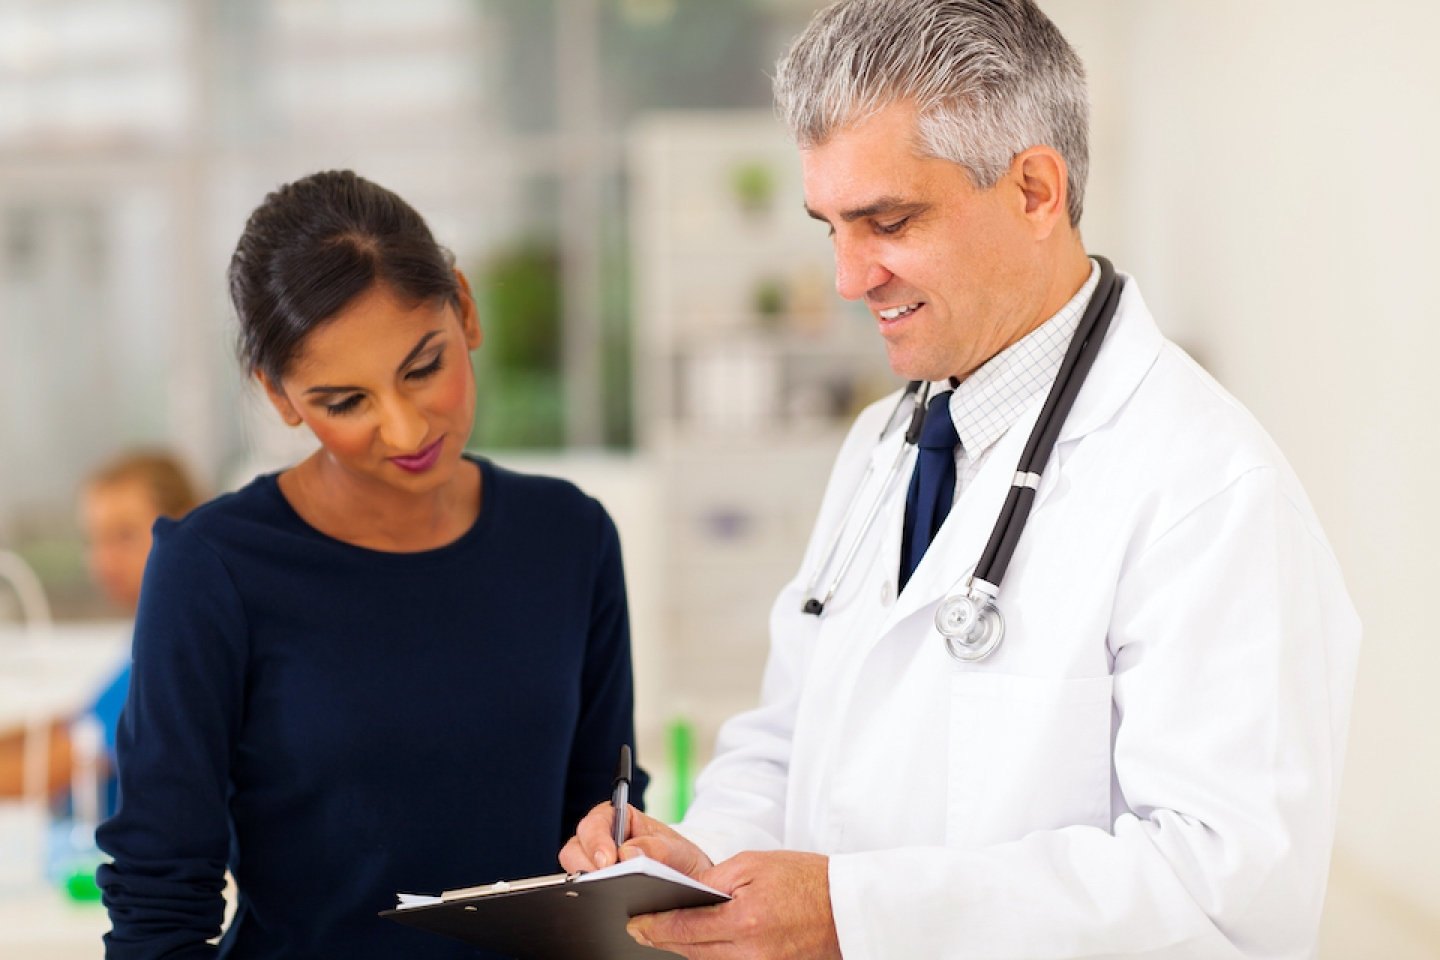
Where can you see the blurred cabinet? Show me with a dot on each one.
(738, 328)
(749, 369)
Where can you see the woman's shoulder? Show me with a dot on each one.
(538, 500)
(252, 510)
(537, 490)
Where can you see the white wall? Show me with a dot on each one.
(1268, 172)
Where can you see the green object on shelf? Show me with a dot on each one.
(754, 186)
(82, 887)
(682, 764)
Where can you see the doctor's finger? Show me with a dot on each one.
(574, 859)
(670, 849)
(593, 839)
(703, 951)
(680, 930)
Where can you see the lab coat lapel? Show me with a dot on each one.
(960, 539)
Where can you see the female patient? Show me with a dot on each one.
(390, 668)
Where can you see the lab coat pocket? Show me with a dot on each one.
(1026, 754)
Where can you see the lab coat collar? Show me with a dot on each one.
(1130, 349)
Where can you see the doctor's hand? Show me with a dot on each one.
(593, 845)
(780, 909)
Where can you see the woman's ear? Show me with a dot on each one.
(469, 316)
(281, 402)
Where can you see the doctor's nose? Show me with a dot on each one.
(402, 425)
(856, 272)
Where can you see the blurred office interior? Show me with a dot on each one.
(661, 323)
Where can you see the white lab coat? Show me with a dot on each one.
(1148, 766)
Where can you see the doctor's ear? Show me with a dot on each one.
(279, 400)
(1040, 176)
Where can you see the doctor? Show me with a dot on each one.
(1148, 764)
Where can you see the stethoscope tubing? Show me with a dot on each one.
(1074, 368)
(919, 391)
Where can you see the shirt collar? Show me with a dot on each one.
(990, 400)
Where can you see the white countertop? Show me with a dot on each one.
(60, 673)
(48, 925)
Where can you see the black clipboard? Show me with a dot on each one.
(561, 917)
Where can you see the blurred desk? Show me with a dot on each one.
(48, 925)
(61, 674)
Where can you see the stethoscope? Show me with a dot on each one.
(969, 619)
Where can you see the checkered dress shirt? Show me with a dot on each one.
(990, 400)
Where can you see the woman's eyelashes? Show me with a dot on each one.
(342, 407)
(429, 370)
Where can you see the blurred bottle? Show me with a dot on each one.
(73, 854)
(681, 737)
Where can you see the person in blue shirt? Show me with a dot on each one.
(118, 504)
(391, 667)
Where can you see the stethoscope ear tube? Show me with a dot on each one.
(918, 392)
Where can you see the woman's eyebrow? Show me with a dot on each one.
(414, 352)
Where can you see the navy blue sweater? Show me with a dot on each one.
(338, 724)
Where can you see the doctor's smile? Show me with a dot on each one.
(895, 313)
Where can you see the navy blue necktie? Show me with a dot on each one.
(932, 486)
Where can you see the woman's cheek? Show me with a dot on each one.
(454, 394)
(344, 440)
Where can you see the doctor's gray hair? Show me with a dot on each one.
(990, 79)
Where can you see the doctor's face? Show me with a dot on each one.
(948, 271)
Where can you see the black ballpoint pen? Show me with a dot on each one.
(620, 797)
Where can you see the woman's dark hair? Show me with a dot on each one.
(315, 245)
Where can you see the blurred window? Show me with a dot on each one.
(92, 71)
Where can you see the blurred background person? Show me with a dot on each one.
(119, 504)
(118, 508)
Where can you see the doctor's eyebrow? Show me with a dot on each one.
(875, 208)
(414, 352)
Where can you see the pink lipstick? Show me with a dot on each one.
(421, 460)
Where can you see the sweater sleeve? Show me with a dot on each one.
(170, 838)
(606, 719)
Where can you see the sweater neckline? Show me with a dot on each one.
(483, 521)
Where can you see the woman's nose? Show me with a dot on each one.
(402, 425)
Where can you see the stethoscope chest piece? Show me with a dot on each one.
(971, 624)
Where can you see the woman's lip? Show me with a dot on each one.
(420, 461)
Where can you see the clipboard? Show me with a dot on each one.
(559, 917)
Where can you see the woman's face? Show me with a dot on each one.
(387, 388)
(116, 519)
